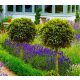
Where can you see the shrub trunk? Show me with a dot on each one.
(21, 52)
(56, 62)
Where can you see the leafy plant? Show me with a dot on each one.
(74, 70)
(16, 65)
(37, 16)
(22, 30)
(1, 25)
(38, 56)
(3, 37)
(6, 19)
(73, 52)
(56, 34)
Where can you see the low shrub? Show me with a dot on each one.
(6, 19)
(3, 37)
(1, 25)
(17, 66)
(74, 70)
(38, 27)
(2, 29)
(50, 73)
(73, 52)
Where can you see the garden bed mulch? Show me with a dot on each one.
(4, 71)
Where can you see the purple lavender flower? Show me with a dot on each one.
(76, 25)
(77, 36)
(30, 51)
(60, 53)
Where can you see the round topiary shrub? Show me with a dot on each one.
(22, 30)
(57, 33)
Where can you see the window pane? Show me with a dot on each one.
(28, 8)
(38, 6)
(19, 8)
(48, 8)
(1, 9)
(73, 8)
(58, 9)
(10, 7)
(68, 8)
(77, 7)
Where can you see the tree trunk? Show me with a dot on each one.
(21, 52)
(56, 62)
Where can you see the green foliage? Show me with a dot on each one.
(16, 65)
(77, 31)
(40, 62)
(5, 19)
(74, 70)
(1, 25)
(22, 30)
(64, 67)
(57, 33)
(45, 63)
(50, 73)
(73, 52)
(37, 39)
(37, 16)
(39, 27)
(77, 16)
(3, 37)
(1, 8)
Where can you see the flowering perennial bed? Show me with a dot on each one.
(39, 56)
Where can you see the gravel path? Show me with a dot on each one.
(4, 71)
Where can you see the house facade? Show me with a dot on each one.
(48, 11)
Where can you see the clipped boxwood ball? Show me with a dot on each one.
(22, 30)
(57, 33)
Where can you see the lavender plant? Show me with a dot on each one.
(39, 56)
(76, 26)
(77, 36)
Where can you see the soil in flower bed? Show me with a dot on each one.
(4, 71)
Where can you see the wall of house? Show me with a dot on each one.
(47, 17)
(63, 15)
